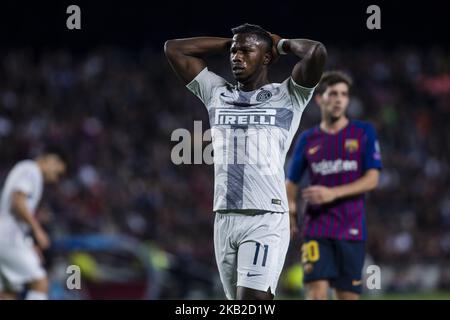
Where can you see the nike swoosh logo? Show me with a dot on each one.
(253, 274)
(222, 94)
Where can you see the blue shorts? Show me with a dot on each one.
(338, 261)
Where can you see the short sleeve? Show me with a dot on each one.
(372, 154)
(300, 95)
(25, 183)
(297, 166)
(204, 84)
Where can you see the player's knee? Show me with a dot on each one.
(316, 295)
(316, 292)
(40, 285)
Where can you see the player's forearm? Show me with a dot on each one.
(367, 182)
(20, 209)
(197, 47)
(303, 47)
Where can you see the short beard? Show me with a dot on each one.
(333, 119)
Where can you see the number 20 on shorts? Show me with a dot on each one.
(310, 251)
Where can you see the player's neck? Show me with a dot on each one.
(40, 163)
(254, 84)
(333, 127)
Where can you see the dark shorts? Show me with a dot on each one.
(338, 261)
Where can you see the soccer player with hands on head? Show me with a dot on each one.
(252, 123)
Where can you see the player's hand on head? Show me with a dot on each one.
(275, 55)
(318, 195)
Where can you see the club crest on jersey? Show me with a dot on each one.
(263, 95)
(245, 117)
(314, 149)
(351, 145)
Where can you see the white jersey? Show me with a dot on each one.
(251, 134)
(26, 177)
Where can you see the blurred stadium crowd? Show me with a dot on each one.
(114, 110)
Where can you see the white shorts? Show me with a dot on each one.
(19, 261)
(250, 250)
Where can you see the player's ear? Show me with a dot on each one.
(267, 58)
(318, 98)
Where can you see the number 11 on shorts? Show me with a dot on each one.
(266, 249)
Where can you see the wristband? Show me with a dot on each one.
(280, 49)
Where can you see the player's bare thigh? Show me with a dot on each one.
(317, 290)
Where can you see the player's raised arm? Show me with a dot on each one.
(186, 55)
(312, 54)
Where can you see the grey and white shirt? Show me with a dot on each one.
(251, 133)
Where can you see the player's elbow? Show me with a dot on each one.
(374, 178)
(169, 47)
(291, 190)
(290, 185)
(319, 53)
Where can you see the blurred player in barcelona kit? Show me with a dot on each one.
(252, 126)
(20, 262)
(342, 158)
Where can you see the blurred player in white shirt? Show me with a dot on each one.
(20, 263)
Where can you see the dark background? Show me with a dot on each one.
(149, 23)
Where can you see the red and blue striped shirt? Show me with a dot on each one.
(331, 160)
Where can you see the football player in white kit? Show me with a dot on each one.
(20, 263)
(252, 126)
